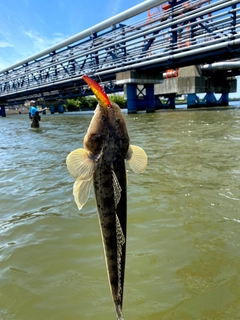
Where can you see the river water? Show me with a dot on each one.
(183, 241)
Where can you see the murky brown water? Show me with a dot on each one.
(183, 245)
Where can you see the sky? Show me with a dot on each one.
(30, 26)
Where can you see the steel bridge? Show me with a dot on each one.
(153, 36)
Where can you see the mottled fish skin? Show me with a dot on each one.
(112, 203)
(102, 162)
(114, 249)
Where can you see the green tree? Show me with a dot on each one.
(119, 99)
(72, 104)
(87, 102)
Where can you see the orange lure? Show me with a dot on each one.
(98, 91)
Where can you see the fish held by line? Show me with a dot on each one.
(102, 163)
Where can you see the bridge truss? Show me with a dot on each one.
(155, 35)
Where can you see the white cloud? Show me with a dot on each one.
(30, 43)
(39, 42)
(115, 7)
(4, 44)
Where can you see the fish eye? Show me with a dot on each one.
(104, 118)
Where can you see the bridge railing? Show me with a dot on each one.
(150, 40)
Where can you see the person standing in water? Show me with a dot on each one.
(33, 111)
(34, 114)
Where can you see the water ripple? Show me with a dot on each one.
(183, 221)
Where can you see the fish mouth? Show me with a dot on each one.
(98, 91)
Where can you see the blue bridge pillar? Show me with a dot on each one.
(44, 111)
(150, 98)
(2, 111)
(52, 109)
(131, 89)
(192, 100)
(139, 88)
(60, 109)
(224, 100)
(171, 101)
(210, 98)
(140, 98)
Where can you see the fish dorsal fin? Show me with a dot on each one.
(117, 189)
(137, 159)
(120, 242)
(120, 234)
(81, 190)
(80, 165)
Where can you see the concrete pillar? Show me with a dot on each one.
(150, 98)
(2, 111)
(131, 89)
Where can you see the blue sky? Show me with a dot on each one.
(30, 26)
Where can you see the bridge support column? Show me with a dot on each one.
(139, 89)
(44, 112)
(171, 101)
(210, 99)
(2, 111)
(140, 98)
(224, 100)
(169, 104)
(52, 109)
(192, 100)
(60, 108)
(150, 98)
(131, 89)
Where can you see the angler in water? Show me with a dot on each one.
(102, 162)
(34, 114)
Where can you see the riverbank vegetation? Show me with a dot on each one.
(89, 103)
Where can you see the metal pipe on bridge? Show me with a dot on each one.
(174, 56)
(221, 65)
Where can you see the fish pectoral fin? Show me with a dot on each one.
(117, 189)
(80, 165)
(137, 159)
(81, 190)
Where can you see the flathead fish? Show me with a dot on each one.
(102, 163)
